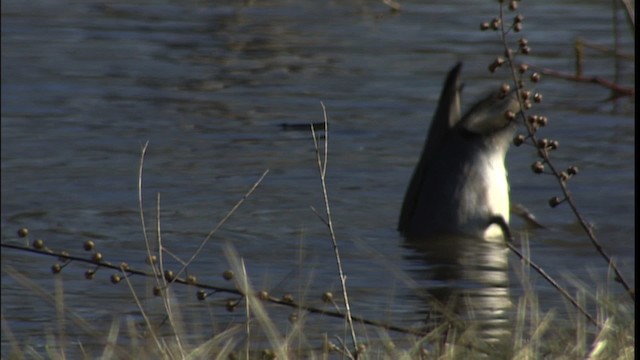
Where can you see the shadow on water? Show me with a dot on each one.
(466, 282)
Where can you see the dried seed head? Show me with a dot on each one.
(485, 26)
(523, 42)
(157, 291)
(227, 275)
(168, 275)
(89, 274)
(513, 5)
(116, 278)
(526, 50)
(88, 245)
(23, 232)
(124, 266)
(263, 295)
(361, 348)
(535, 77)
(523, 68)
(554, 144)
(38, 244)
(96, 257)
(537, 167)
(543, 143)
(554, 201)
(518, 18)
(527, 104)
(56, 268)
(572, 170)
(537, 97)
(191, 279)
(518, 140)
(327, 297)
(201, 295)
(288, 298)
(525, 94)
(532, 119)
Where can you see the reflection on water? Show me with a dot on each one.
(466, 281)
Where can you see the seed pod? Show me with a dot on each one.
(231, 306)
(263, 295)
(542, 121)
(495, 24)
(201, 295)
(191, 279)
(535, 77)
(537, 167)
(554, 201)
(523, 68)
(116, 278)
(510, 115)
(227, 275)
(288, 298)
(168, 275)
(543, 143)
(151, 259)
(56, 268)
(23, 232)
(96, 257)
(518, 140)
(485, 26)
(517, 27)
(537, 97)
(327, 297)
(572, 170)
(504, 89)
(88, 245)
(38, 244)
(157, 291)
(89, 274)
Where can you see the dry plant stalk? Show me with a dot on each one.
(322, 167)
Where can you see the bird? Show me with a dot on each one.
(460, 181)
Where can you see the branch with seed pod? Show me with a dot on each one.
(124, 270)
(533, 123)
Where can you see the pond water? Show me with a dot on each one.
(85, 84)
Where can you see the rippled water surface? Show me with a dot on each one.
(209, 84)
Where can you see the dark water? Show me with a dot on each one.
(86, 84)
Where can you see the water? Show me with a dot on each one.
(86, 84)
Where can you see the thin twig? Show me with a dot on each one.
(322, 167)
(222, 221)
(500, 221)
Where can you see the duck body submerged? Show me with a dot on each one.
(460, 181)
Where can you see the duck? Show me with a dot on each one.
(460, 181)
